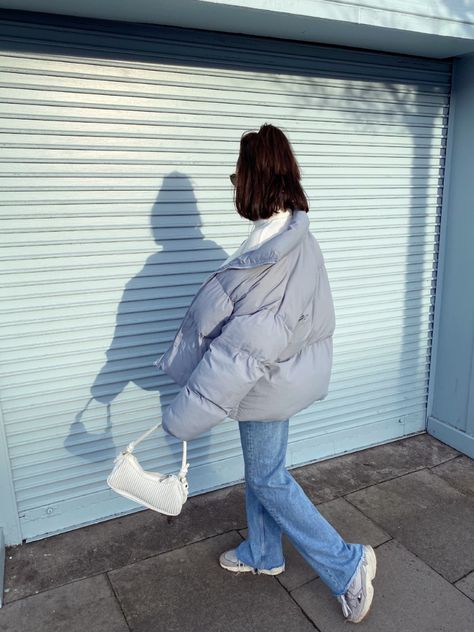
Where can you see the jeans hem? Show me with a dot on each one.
(257, 568)
(359, 563)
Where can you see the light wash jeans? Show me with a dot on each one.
(276, 503)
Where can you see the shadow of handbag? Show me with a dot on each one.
(165, 493)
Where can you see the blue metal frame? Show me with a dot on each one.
(9, 520)
(462, 441)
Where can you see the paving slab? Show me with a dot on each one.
(80, 553)
(187, 591)
(466, 585)
(87, 605)
(459, 473)
(331, 478)
(408, 597)
(225, 505)
(345, 518)
(428, 516)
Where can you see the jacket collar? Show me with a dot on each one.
(273, 249)
(279, 216)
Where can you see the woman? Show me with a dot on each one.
(255, 345)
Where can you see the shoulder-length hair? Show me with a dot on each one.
(267, 175)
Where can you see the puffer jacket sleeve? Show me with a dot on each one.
(230, 367)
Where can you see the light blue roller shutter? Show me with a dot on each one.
(117, 142)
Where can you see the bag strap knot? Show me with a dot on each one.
(184, 466)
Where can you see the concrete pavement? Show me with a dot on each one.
(412, 500)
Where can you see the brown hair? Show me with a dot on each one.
(267, 176)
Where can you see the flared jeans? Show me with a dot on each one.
(276, 503)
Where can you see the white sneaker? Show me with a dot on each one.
(230, 562)
(357, 600)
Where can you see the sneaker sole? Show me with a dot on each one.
(272, 571)
(246, 569)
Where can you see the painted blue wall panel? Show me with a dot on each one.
(452, 386)
(117, 143)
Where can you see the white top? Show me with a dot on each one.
(261, 230)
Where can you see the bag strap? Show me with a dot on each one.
(184, 466)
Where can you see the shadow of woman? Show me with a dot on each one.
(150, 309)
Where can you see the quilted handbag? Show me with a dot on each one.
(165, 493)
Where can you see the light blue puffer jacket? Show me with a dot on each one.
(256, 341)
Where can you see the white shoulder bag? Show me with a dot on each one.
(165, 493)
